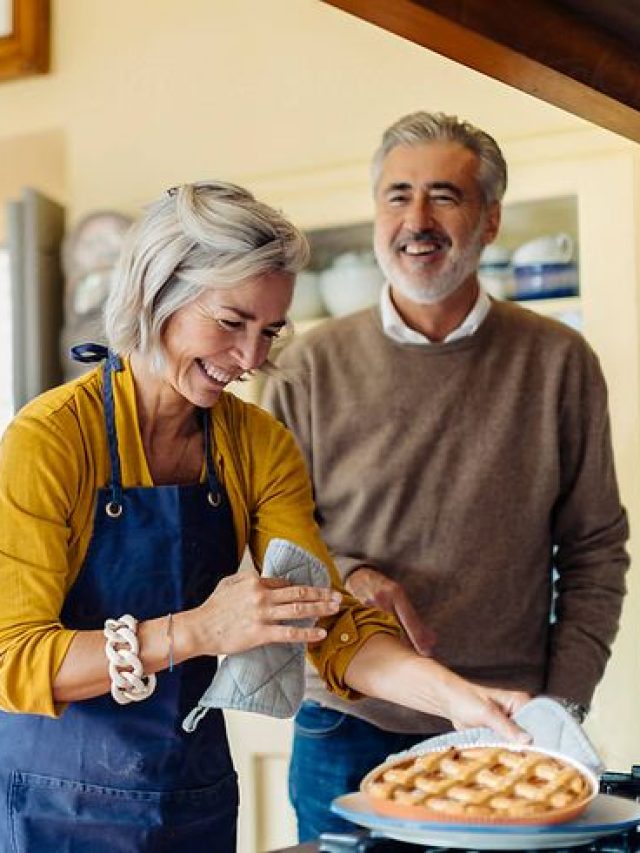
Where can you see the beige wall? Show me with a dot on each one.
(34, 159)
(155, 92)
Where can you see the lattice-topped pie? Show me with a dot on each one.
(495, 784)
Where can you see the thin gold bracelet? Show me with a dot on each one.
(170, 637)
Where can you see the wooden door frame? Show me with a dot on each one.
(541, 47)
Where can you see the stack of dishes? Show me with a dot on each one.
(495, 273)
(544, 268)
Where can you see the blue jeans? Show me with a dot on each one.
(332, 751)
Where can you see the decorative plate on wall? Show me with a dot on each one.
(94, 243)
(89, 254)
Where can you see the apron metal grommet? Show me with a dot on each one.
(214, 500)
(113, 509)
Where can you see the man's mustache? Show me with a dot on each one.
(430, 235)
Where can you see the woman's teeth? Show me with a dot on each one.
(216, 373)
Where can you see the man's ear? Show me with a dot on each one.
(492, 225)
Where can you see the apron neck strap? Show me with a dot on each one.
(215, 492)
(90, 353)
(112, 437)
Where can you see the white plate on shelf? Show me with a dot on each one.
(606, 815)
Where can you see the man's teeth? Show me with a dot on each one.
(216, 373)
(421, 248)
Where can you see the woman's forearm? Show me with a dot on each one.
(84, 671)
(385, 668)
(243, 612)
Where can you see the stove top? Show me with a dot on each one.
(625, 785)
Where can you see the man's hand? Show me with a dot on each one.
(370, 586)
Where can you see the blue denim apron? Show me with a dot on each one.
(106, 777)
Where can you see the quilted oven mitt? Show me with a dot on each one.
(268, 679)
(548, 723)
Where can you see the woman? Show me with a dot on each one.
(132, 492)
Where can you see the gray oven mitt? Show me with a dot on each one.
(550, 725)
(268, 679)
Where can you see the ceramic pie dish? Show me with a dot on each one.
(498, 784)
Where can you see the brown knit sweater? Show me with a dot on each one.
(466, 471)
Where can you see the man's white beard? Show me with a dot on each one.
(433, 287)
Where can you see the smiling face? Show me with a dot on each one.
(224, 333)
(431, 220)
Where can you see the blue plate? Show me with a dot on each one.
(605, 815)
(547, 293)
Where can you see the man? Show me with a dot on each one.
(460, 454)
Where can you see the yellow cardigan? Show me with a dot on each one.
(53, 458)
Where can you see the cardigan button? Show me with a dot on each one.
(344, 638)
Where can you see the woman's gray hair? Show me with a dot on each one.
(422, 127)
(196, 237)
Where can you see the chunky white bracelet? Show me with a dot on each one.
(128, 681)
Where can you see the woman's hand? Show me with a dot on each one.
(474, 705)
(245, 611)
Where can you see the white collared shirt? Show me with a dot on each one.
(395, 328)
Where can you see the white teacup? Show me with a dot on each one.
(307, 303)
(348, 286)
(550, 249)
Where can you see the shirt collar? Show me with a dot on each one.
(395, 328)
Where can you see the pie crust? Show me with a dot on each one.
(481, 784)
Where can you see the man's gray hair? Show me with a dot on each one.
(196, 237)
(422, 127)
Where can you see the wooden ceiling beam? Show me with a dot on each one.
(544, 48)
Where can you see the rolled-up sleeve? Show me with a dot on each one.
(348, 632)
